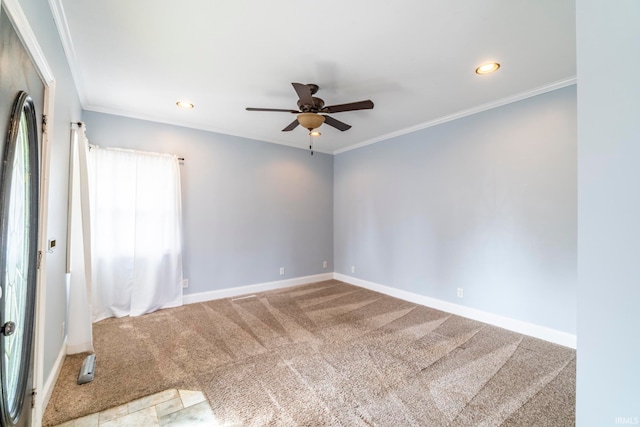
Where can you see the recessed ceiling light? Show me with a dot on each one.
(185, 104)
(487, 68)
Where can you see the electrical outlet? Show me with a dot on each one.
(460, 293)
(185, 283)
(62, 331)
(282, 271)
(353, 268)
(324, 264)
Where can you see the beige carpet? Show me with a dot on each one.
(326, 354)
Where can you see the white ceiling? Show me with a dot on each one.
(415, 59)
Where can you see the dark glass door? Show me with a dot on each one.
(18, 261)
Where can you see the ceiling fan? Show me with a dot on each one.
(312, 112)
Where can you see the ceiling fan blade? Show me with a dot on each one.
(292, 126)
(351, 106)
(272, 109)
(304, 93)
(336, 123)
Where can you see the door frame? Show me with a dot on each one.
(27, 36)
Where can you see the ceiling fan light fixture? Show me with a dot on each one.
(185, 105)
(488, 68)
(310, 120)
(315, 133)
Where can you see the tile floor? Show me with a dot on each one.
(168, 408)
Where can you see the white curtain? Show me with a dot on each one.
(79, 272)
(136, 229)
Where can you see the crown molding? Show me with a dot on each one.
(57, 9)
(464, 113)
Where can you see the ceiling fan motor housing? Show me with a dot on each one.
(318, 103)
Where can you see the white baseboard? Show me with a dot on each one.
(251, 289)
(49, 384)
(519, 326)
(530, 329)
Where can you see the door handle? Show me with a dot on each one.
(8, 328)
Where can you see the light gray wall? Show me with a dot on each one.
(608, 58)
(486, 203)
(67, 109)
(249, 207)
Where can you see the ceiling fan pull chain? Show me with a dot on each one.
(311, 144)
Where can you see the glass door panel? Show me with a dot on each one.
(18, 259)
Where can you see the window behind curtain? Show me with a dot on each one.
(136, 222)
